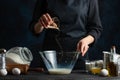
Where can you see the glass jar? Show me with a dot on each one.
(19, 55)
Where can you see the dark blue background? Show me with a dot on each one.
(15, 16)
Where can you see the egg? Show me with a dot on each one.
(16, 71)
(104, 72)
(3, 72)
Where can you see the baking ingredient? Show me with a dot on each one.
(13, 58)
(104, 72)
(19, 55)
(95, 70)
(111, 67)
(3, 72)
(59, 71)
(16, 71)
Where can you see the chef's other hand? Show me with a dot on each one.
(83, 44)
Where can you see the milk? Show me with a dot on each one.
(60, 71)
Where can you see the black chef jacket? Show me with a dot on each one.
(78, 18)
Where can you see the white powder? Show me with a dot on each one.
(60, 71)
(13, 58)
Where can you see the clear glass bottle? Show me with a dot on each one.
(111, 66)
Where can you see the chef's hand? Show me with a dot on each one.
(47, 22)
(83, 44)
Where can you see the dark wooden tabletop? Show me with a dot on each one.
(75, 75)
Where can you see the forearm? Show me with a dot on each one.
(94, 26)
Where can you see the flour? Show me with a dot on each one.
(60, 71)
(12, 58)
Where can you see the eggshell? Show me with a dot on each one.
(16, 71)
(3, 72)
(104, 72)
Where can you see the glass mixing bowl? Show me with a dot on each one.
(59, 62)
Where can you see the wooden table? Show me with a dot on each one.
(75, 75)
